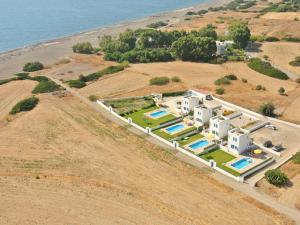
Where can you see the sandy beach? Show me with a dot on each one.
(51, 51)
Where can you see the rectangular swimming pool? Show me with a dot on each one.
(199, 144)
(242, 163)
(175, 128)
(158, 113)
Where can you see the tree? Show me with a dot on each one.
(208, 31)
(276, 177)
(267, 109)
(84, 48)
(191, 48)
(110, 45)
(281, 91)
(128, 37)
(240, 34)
(33, 66)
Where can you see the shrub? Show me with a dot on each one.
(220, 91)
(267, 109)
(93, 98)
(295, 62)
(159, 81)
(276, 177)
(23, 76)
(173, 94)
(39, 78)
(266, 68)
(291, 39)
(84, 48)
(157, 25)
(106, 71)
(231, 77)
(298, 80)
(5, 81)
(25, 105)
(46, 87)
(175, 79)
(272, 39)
(296, 158)
(76, 84)
(33, 66)
(281, 91)
(244, 80)
(260, 88)
(222, 81)
(257, 38)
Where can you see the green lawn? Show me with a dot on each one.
(143, 121)
(191, 139)
(169, 137)
(221, 157)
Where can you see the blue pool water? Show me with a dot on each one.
(242, 163)
(175, 128)
(159, 113)
(199, 144)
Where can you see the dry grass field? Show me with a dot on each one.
(287, 195)
(62, 163)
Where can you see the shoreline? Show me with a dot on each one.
(50, 51)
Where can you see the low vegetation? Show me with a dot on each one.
(283, 6)
(24, 105)
(76, 83)
(93, 98)
(295, 62)
(46, 87)
(291, 39)
(157, 24)
(231, 77)
(33, 66)
(281, 91)
(159, 81)
(176, 79)
(266, 68)
(267, 109)
(276, 177)
(173, 94)
(83, 48)
(222, 81)
(296, 158)
(259, 87)
(220, 91)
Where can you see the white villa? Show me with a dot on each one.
(219, 126)
(202, 115)
(189, 103)
(222, 46)
(238, 140)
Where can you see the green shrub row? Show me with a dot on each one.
(173, 94)
(157, 24)
(276, 177)
(266, 68)
(159, 81)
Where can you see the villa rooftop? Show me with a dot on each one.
(238, 131)
(219, 118)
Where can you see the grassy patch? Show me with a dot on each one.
(169, 137)
(130, 105)
(76, 84)
(190, 139)
(221, 157)
(159, 81)
(267, 69)
(143, 121)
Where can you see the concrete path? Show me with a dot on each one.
(244, 188)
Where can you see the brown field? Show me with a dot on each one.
(13, 92)
(281, 53)
(288, 195)
(62, 163)
(266, 24)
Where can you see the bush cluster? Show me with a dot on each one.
(76, 83)
(157, 25)
(220, 91)
(24, 105)
(267, 69)
(222, 81)
(159, 81)
(83, 48)
(295, 62)
(267, 109)
(231, 77)
(46, 87)
(33, 66)
(276, 177)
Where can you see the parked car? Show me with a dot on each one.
(268, 144)
(272, 127)
(277, 148)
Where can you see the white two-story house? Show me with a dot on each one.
(219, 126)
(238, 140)
(202, 115)
(189, 103)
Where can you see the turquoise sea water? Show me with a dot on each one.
(24, 22)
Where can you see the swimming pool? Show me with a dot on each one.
(175, 128)
(158, 113)
(242, 163)
(199, 144)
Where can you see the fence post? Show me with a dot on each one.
(175, 143)
(148, 130)
(129, 120)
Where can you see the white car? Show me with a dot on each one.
(270, 126)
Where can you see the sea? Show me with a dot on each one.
(26, 22)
